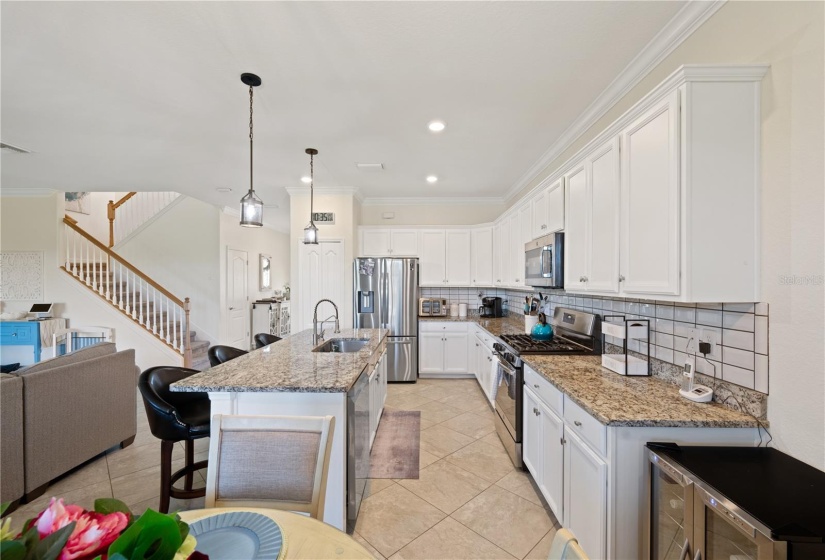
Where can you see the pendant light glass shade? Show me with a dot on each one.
(311, 232)
(252, 210)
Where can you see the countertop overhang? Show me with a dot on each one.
(290, 366)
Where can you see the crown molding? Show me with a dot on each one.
(30, 193)
(679, 28)
(235, 212)
(433, 201)
(304, 191)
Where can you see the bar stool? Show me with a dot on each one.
(220, 354)
(175, 417)
(264, 339)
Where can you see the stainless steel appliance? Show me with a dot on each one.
(491, 307)
(432, 307)
(576, 332)
(386, 297)
(742, 503)
(358, 446)
(544, 261)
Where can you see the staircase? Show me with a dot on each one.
(132, 293)
(131, 213)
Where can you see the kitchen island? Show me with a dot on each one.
(288, 378)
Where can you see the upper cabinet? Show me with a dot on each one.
(458, 257)
(481, 265)
(445, 256)
(389, 243)
(548, 210)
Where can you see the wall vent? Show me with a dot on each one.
(370, 166)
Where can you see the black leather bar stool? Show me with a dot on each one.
(175, 417)
(264, 339)
(220, 354)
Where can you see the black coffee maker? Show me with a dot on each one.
(490, 307)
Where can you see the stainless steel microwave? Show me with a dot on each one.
(544, 261)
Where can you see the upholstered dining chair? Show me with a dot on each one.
(175, 417)
(264, 339)
(220, 354)
(565, 547)
(278, 462)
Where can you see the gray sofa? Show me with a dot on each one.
(74, 407)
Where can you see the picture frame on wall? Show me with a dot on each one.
(266, 272)
(78, 202)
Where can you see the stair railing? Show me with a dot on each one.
(126, 218)
(125, 287)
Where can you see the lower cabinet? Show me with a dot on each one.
(585, 501)
(378, 394)
(443, 348)
(482, 362)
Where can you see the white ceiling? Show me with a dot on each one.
(118, 96)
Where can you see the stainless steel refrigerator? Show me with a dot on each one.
(386, 297)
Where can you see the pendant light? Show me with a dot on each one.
(252, 207)
(311, 232)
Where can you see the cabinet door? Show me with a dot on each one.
(585, 496)
(455, 352)
(525, 216)
(540, 208)
(431, 352)
(551, 479)
(532, 440)
(432, 271)
(404, 243)
(650, 201)
(576, 228)
(500, 252)
(375, 243)
(513, 242)
(555, 207)
(482, 257)
(374, 396)
(458, 257)
(603, 275)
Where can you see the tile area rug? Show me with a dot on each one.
(397, 445)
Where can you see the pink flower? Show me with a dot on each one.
(93, 532)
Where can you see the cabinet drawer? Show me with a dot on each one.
(587, 427)
(17, 334)
(444, 326)
(551, 396)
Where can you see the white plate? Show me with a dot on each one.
(238, 534)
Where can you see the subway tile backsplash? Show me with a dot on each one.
(740, 355)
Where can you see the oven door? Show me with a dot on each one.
(508, 418)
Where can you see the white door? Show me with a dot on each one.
(603, 275)
(555, 207)
(431, 262)
(321, 267)
(237, 299)
(650, 201)
(458, 257)
(482, 260)
(455, 352)
(404, 243)
(431, 352)
(532, 445)
(585, 496)
(576, 229)
(375, 243)
(552, 460)
(540, 208)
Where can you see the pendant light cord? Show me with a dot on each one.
(311, 188)
(250, 138)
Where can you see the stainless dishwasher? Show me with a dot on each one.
(358, 445)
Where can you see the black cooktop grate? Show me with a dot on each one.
(525, 344)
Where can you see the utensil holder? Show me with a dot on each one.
(530, 321)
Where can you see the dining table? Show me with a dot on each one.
(304, 537)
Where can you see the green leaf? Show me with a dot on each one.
(111, 505)
(51, 546)
(154, 536)
(3, 507)
(116, 556)
(12, 550)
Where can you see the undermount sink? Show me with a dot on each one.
(342, 345)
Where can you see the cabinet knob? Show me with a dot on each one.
(584, 278)
(517, 280)
(535, 385)
(577, 423)
(621, 278)
(562, 441)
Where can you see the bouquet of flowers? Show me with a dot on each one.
(110, 532)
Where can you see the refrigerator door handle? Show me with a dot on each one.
(385, 288)
(408, 342)
(685, 551)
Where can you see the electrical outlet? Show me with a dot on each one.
(709, 337)
(692, 344)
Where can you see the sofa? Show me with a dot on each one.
(74, 407)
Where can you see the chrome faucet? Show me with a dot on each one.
(316, 338)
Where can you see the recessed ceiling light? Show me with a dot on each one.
(436, 126)
(223, 189)
(432, 178)
(306, 180)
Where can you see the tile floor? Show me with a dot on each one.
(469, 501)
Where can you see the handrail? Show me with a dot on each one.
(73, 224)
(110, 212)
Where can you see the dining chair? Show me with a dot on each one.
(221, 354)
(278, 462)
(565, 547)
(264, 339)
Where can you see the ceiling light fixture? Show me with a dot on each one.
(252, 207)
(311, 232)
(432, 178)
(223, 189)
(306, 180)
(436, 126)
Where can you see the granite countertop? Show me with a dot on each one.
(291, 366)
(616, 400)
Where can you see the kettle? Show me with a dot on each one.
(542, 330)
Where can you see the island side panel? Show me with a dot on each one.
(302, 404)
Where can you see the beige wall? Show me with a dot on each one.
(788, 36)
(431, 215)
(96, 222)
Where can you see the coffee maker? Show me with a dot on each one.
(490, 307)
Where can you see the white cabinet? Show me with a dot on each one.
(591, 253)
(543, 449)
(433, 258)
(458, 257)
(548, 210)
(512, 275)
(481, 264)
(378, 394)
(389, 243)
(650, 201)
(482, 358)
(585, 503)
(532, 442)
(501, 252)
(443, 348)
(540, 207)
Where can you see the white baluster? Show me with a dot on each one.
(66, 230)
(156, 310)
(85, 244)
(139, 294)
(74, 249)
(168, 337)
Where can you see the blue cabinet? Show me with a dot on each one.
(20, 342)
